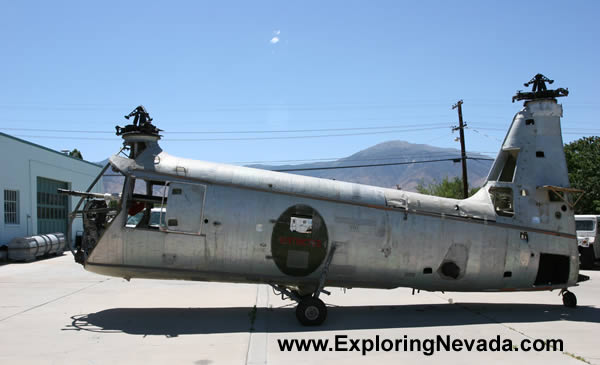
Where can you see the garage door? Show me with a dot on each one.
(52, 208)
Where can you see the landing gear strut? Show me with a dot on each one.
(569, 299)
(311, 311)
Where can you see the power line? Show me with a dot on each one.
(238, 132)
(441, 125)
(366, 165)
(268, 107)
(485, 135)
(568, 131)
(439, 154)
(245, 121)
(240, 138)
(478, 160)
(240, 107)
(481, 158)
(65, 137)
(379, 164)
(55, 130)
(572, 130)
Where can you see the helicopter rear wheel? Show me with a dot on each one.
(569, 299)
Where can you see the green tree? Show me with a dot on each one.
(583, 162)
(75, 153)
(446, 188)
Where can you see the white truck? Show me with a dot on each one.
(587, 239)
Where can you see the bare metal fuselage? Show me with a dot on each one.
(236, 224)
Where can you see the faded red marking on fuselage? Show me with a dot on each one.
(299, 241)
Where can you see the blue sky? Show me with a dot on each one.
(389, 68)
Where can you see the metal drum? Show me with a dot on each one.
(32, 247)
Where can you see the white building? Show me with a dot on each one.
(30, 175)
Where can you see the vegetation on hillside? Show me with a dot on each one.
(583, 163)
(446, 188)
(76, 153)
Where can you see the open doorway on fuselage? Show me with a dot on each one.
(146, 204)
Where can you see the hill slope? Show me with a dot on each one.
(406, 176)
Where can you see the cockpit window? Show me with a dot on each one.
(502, 198)
(157, 218)
(508, 171)
(145, 205)
(505, 166)
(133, 220)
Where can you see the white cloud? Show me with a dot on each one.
(275, 38)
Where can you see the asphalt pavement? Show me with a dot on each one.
(54, 312)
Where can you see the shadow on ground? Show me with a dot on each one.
(37, 259)
(172, 322)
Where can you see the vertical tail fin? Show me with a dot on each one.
(528, 182)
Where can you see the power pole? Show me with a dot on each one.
(463, 153)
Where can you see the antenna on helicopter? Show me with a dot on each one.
(539, 90)
(142, 124)
(141, 116)
(138, 135)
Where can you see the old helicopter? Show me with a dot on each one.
(206, 221)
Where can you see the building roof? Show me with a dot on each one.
(47, 149)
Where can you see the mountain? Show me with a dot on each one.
(406, 176)
(111, 182)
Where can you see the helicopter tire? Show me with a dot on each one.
(569, 299)
(311, 311)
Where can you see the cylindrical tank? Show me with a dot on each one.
(32, 247)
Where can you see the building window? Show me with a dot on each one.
(11, 206)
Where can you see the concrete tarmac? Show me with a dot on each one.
(54, 312)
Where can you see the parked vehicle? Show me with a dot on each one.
(587, 239)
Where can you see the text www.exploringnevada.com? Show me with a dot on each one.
(428, 346)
